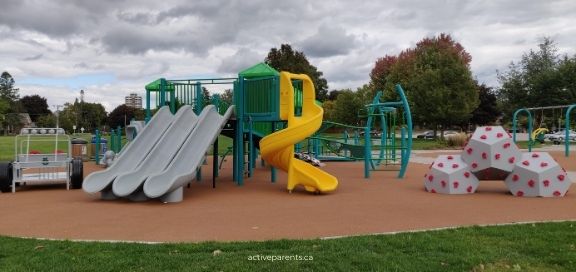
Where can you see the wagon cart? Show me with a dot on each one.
(42, 156)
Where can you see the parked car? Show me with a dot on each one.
(560, 136)
(426, 135)
(450, 133)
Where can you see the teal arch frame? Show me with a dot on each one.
(515, 121)
(567, 126)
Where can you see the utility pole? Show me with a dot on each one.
(57, 116)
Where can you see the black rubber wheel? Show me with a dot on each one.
(77, 173)
(5, 177)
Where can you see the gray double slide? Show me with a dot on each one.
(163, 158)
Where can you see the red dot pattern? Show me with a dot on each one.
(527, 163)
(557, 193)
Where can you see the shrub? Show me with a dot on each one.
(457, 140)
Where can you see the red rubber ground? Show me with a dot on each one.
(261, 210)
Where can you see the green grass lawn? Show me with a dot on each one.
(528, 247)
(7, 145)
(43, 144)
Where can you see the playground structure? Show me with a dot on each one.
(274, 112)
(491, 154)
(530, 131)
(31, 166)
(381, 152)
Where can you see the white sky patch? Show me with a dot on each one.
(136, 42)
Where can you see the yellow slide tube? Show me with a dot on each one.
(277, 149)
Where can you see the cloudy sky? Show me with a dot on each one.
(110, 48)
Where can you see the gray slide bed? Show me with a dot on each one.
(167, 185)
(131, 157)
(130, 182)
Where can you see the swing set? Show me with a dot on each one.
(532, 135)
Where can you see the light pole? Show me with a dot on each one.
(57, 116)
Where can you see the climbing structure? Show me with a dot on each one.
(491, 154)
(538, 174)
(449, 174)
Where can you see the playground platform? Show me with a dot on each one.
(261, 210)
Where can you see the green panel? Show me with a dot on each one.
(261, 98)
(154, 86)
(259, 70)
(263, 128)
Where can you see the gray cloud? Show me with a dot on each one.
(35, 57)
(328, 41)
(141, 39)
(243, 59)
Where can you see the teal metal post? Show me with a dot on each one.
(408, 118)
(199, 174)
(367, 152)
(240, 133)
(97, 147)
(514, 121)
(215, 163)
(172, 98)
(567, 126)
(118, 139)
(112, 140)
(148, 112)
(316, 142)
(199, 105)
(163, 93)
(251, 158)
(404, 160)
(272, 169)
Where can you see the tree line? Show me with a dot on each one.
(78, 114)
(441, 88)
(435, 73)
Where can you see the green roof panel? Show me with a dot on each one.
(259, 70)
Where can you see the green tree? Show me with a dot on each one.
(287, 59)
(10, 108)
(487, 111)
(206, 96)
(541, 78)
(48, 120)
(7, 90)
(381, 70)
(438, 82)
(122, 115)
(89, 116)
(227, 96)
(35, 105)
(348, 106)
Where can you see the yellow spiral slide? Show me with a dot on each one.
(277, 148)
